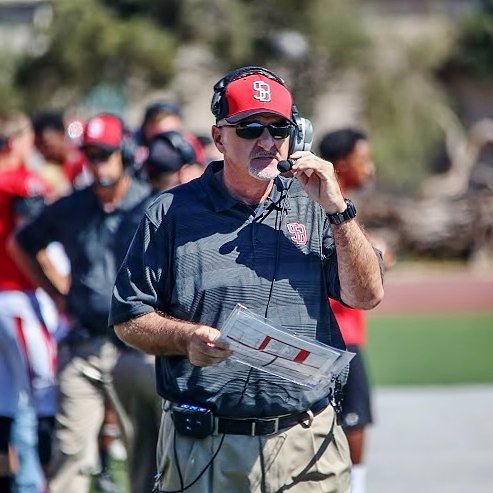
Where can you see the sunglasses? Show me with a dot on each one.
(253, 130)
(98, 155)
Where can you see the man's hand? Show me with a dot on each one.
(205, 348)
(318, 179)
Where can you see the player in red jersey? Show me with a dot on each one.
(349, 150)
(27, 346)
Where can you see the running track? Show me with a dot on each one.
(426, 290)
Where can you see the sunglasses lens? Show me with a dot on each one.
(253, 130)
(279, 132)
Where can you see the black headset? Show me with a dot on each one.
(128, 146)
(301, 137)
(179, 144)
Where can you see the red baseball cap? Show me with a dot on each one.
(257, 93)
(103, 130)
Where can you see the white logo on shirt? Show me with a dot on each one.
(298, 231)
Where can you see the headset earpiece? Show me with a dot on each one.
(180, 144)
(301, 138)
(128, 150)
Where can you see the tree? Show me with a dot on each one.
(90, 45)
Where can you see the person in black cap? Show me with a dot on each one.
(171, 161)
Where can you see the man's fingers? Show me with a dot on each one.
(207, 348)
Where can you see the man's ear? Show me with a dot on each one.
(216, 135)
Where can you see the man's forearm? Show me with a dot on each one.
(33, 270)
(157, 334)
(358, 265)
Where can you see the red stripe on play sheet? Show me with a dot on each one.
(264, 343)
(301, 356)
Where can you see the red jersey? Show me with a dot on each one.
(15, 183)
(352, 323)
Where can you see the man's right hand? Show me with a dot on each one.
(206, 348)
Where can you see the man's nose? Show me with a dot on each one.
(266, 140)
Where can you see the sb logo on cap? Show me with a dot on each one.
(262, 90)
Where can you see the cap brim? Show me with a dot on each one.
(246, 114)
(99, 145)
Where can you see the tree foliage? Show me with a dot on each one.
(90, 45)
(472, 53)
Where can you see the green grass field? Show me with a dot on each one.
(432, 349)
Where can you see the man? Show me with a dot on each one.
(27, 346)
(171, 161)
(242, 234)
(349, 150)
(90, 224)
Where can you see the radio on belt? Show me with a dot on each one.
(191, 420)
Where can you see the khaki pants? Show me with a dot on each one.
(299, 460)
(135, 385)
(80, 416)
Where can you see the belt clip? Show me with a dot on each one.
(307, 423)
(252, 429)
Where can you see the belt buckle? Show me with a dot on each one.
(254, 425)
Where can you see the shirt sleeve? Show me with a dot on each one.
(140, 285)
(39, 231)
(28, 207)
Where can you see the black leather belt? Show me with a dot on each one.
(268, 426)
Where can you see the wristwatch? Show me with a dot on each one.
(340, 217)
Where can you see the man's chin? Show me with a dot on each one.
(268, 173)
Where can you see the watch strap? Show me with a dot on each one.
(345, 215)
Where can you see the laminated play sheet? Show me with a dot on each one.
(256, 342)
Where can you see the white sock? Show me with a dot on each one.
(358, 478)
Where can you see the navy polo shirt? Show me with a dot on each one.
(198, 252)
(95, 242)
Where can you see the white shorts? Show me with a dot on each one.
(28, 354)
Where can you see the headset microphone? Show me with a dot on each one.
(286, 165)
